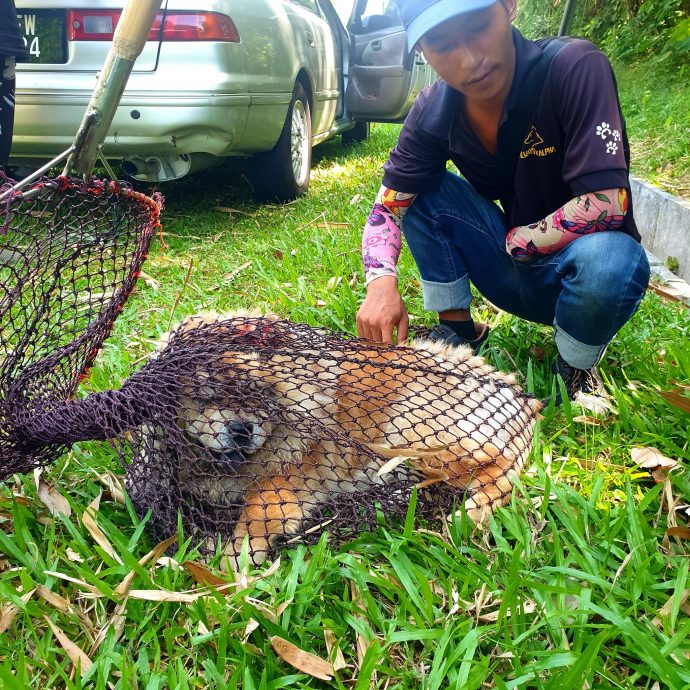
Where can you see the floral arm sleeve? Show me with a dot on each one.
(381, 240)
(586, 213)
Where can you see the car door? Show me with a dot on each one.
(383, 79)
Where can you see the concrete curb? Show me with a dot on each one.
(677, 287)
(664, 223)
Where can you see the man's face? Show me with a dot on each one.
(474, 52)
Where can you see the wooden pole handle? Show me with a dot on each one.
(134, 27)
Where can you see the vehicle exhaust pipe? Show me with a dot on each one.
(138, 166)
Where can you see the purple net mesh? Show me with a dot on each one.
(255, 430)
(70, 254)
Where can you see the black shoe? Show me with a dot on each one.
(442, 333)
(577, 381)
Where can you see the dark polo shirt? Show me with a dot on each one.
(575, 143)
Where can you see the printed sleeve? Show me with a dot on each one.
(593, 127)
(382, 236)
(418, 161)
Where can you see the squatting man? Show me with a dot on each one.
(562, 249)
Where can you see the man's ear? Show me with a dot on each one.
(511, 6)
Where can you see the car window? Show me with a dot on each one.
(310, 5)
(375, 16)
(344, 10)
(385, 8)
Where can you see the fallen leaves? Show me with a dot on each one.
(670, 293)
(654, 461)
(303, 661)
(651, 458)
(75, 654)
(9, 611)
(88, 519)
(52, 499)
(677, 398)
(229, 277)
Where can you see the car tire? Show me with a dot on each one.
(360, 132)
(283, 173)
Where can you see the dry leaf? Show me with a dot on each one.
(528, 606)
(52, 499)
(229, 277)
(76, 655)
(278, 254)
(676, 398)
(272, 569)
(73, 556)
(332, 225)
(680, 532)
(151, 282)
(303, 661)
(55, 600)
(332, 644)
(596, 404)
(116, 622)
(123, 588)
(9, 611)
(227, 209)
(333, 282)
(167, 562)
(651, 458)
(252, 625)
(202, 575)
(165, 595)
(537, 352)
(584, 419)
(669, 292)
(88, 519)
(61, 576)
(355, 199)
(389, 466)
(665, 610)
(266, 609)
(321, 303)
(114, 485)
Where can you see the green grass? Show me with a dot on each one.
(575, 584)
(654, 100)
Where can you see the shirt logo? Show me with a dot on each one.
(534, 142)
(604, 131)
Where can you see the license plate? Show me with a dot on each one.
(44, 35)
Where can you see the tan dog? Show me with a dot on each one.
(313, 424)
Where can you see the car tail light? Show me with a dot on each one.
(99, 25)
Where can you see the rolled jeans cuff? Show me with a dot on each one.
(446, 296)
(577, 354)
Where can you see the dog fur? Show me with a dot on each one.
(465, 424)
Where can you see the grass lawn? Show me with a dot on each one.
(581, 582)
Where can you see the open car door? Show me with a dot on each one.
(382, 78)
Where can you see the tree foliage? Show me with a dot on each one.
(627, 30)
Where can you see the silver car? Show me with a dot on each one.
(262, 79)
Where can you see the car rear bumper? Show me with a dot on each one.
(146, 124)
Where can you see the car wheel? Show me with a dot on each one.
(360, 132)
(282, 173)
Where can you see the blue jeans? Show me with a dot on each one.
(588, 290)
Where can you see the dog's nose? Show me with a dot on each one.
(241, 433)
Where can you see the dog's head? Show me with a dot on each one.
(231, 434)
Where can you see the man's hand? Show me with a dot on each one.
(382, 312)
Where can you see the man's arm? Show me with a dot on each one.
(582, 215)
(383, 311)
